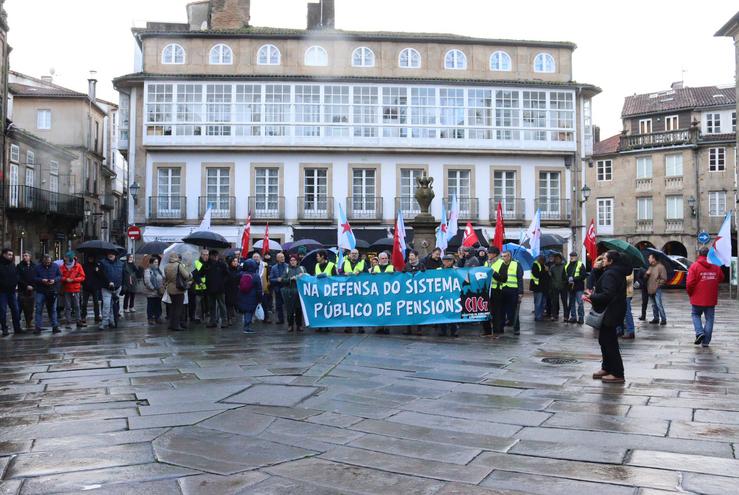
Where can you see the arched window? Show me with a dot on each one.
(173, 54)
(455, 59)
(221, 55)
(544, 62)
(500, 61)
(268, 55)
(409, 59)
(316, 56)
(363, 57)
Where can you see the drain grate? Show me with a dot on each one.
(560, 361)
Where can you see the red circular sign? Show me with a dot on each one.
(134, 233)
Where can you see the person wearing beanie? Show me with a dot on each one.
(72, 277)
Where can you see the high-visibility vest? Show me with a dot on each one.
(512, 280)
(533, 278)
(329, 268)
(358, 268)
(578, 268)
(201, 286)
(388, 269)
(495, 265)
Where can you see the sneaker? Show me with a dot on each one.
(361, 330)
(698, 340)
(580, 321)
(56, 330)
(653, 322)
(132, 310)
(642, 318)
(249, 331)
(37, 330)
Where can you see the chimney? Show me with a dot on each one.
(229, 15)
(91, 86)
(677, 85)
(321, 15)
(197, 15)
(596, 134)
(48, 79)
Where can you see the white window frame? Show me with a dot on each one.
(221, 54)
(265, 202)
(30, 177)
(713, 123)
(504, 190)
(412, 58)
(14, 193)
(672, 123)
(716, 203)
(604, 170)
(677, 159)
(408, 178)
(223, 187)
(15, 153)
(674, 207)
(717, 159)
(266, 55)
(500, 61)
(604, 214)
(364, 191)
(43, 119)
(645, 126)
(315, 56)
(363, 56)
(169, 197)
(641, 167)
(645, 208)
(54, 167)
(544, 63)
(171, 55)
(317, 201)
(455, 59)
(30, 158)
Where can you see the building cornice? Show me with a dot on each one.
(32, 139)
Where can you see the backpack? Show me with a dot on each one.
(246, 284)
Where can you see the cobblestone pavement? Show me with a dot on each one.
(143, 410)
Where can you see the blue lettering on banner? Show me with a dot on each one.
(396, 299)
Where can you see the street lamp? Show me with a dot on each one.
(584, 194)
(134, 190)
(691, 204)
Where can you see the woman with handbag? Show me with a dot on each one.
(608, 299)
(176, 280)
(153, 290)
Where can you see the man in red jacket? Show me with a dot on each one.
(72, 277)
(702, 286)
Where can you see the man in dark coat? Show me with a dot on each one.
(277, 281)
(26, 288)
(46, 276)
(216, 290)
(433, 260)
(8, 297)
(91, 288)
(558, 284)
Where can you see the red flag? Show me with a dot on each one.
(398, 259)
(499, 228)
(470, 236)
(590, 243)
(265, 242)
(245, 236)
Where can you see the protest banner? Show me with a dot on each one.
(396, 299)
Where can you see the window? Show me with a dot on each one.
(366, 120)
(645, 126)
(409, 58)
(276, 109)
(30, 158)
(248, 109)
(605, 170)
(54, 167)
(644, 209)
(504, 190)
(733, 121)
(507, 114)
(268, 55)
(217, 189)
(479, 113)
(315, 190)
(674, 207)
(221, 55)
(423, 112)
(716, 159)
(363, 57)
(713, 123)
(267, 190)
(549, 195)
(544, 62)
(14, 192)
(30, 177)
(671, 123)
(316, 56)
(307, 110)
(173, 54)
(455, 59)
(408, 201)
(605, 213)
(500, 61)
(159, 98)
(336, 110)
(459, 185)
(535, 115)
(452, 113)
(218, 109)
(43, 119)
(394, 111)
(644, 167)
(717, 203)
(561, 116)
(363, 191)
(189, 109)
(674, 165)
(15, 153)
(169, 200)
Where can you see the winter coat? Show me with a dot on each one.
(469, 262)
(131, 275)
(8, 276)
(232, 285)
(292, 275)
(76, 273)
(153, 282)
(170, 277)
(557, 277)
(25, 276)
(215, 283)
(538, 271)
(579, 278)
(111, 272)
(418, 267)
(50, 272)
(432, 264)
(279, 270)
(250, 288)
(703, 281)
(94, 279)
(609, 294)
(656, 276)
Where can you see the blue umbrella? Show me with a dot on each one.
(520, 254)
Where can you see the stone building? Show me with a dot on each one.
(4, 67)
(287, 124)
(671, 173)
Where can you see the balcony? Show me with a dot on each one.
(554, 210)
(315, 208)
(655, 140)
(106, 201)
(674, 225)
(643, 185)
(222, 208)
(468, 208)
(644, 226)
(409, 206)
(364, 209)
(34, 200)
(674, 183)
(116, 227)
(514, 209)
(167, 209)
(267, 208)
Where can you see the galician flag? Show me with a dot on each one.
(533, 235)
(344, 236)
(720, 252)
(205, 224)
(453, 226)
(442, 242)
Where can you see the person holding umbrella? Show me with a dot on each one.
(91, 288)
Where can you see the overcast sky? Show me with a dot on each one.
(624, 47)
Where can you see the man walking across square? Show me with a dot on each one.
(702, 286)
(8, 298)
(656, 277)
(72, 277)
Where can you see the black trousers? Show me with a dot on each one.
(497, 314)
(608, 340)
(86, 295)
(644, 300)
(175, 311)
(557, 296)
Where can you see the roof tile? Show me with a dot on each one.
(678, 99)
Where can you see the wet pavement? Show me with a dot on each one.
(144, 410)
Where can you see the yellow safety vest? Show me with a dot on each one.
(578, 268)
(388, 269)
(533, 278)
(495, 265)
(512, 280)
(201, 286)
(329, 268)
(358, 268)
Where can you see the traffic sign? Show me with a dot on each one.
(704, 237)
(134, 233)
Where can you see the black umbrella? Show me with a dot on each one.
(662, 258)
(100, 247)
(382, 244)
(153, 247)
(205, 238)
(309, 260)
(362, 244)
(550, 240)
(308, 244)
